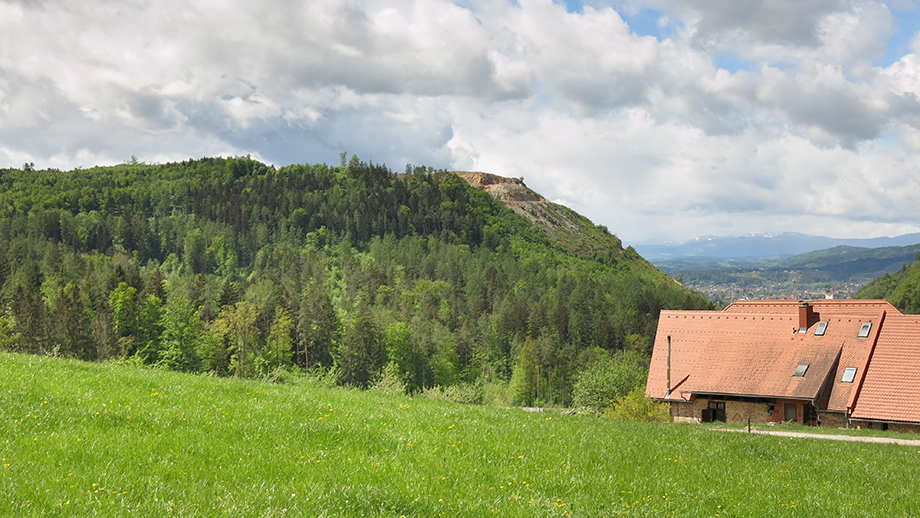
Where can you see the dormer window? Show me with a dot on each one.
(822, 327)
(800, 370)
(849, 374)
(864, 330)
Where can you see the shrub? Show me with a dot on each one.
(471, 393)
(388, 380)
(495, 394)
(608, 379)
(282, 375)
(636, 407)
(320, 377)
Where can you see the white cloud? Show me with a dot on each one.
(645, 135)
(783, 22)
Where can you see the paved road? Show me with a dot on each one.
(884, 440)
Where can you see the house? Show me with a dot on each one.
(838, 363)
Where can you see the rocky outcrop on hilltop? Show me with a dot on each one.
(514, 194)
(505, 189)
(570, 230)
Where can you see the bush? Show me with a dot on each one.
(282, 375)
(636, 407)
(607, 380)
(495, 394)
(388, 381)
(320, 377)
(471, 393)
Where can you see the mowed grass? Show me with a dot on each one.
(84, 439)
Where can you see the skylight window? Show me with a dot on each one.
(864, 330)
(849, 374)
(822, 327)
(800, 370)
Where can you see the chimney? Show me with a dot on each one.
(805, 312)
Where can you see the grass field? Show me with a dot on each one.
(84, 439)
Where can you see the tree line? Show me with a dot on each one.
(238, 268)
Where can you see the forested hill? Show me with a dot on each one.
(901, 288)
(235, 267)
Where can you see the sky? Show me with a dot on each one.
(663, 120)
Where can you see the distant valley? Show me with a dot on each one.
(758, 246)
(767, 270)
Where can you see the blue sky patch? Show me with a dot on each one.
(732, 63)
(907, 23)
(645, 23)
(574, 6)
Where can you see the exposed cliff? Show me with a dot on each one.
(568, 229)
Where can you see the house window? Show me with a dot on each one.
(822, 327)
(800, 370)
(864, 330)
(849, 374)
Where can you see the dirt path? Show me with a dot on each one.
(800, 435)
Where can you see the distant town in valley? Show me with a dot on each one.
(782, 267)
(724, 293)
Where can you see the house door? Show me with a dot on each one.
(718, 410)
(810, 415)
(791, 413)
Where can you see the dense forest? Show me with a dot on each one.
(901, 288)
(238, 268)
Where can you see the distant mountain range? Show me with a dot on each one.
(762, 246)
(839, 271)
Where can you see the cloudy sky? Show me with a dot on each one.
(661, 119)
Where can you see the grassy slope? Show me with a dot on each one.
(82, 438)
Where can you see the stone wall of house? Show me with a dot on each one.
(735, 411)
(892, 427)
(685, 412)
(833, 419)
(741, 411)
(904, 427)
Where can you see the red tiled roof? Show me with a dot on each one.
(890, 391)
(752, 348)
(853, 354)
(838, 307)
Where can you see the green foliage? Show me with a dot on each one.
(8, 335)
(212, 353)
(72, 330)
(278, 347)
(324, 269)
(389, 381)
(150, 323)
(636, 407)
(236, 326)
(901, 288)
(401, 351)
(468, 393)
(181, 324)
(123, 302)
(361, 353)
(607, 380)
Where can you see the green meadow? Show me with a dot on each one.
(83, 439)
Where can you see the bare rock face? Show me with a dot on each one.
(504, 189)
(565, 227)
(519, 198)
